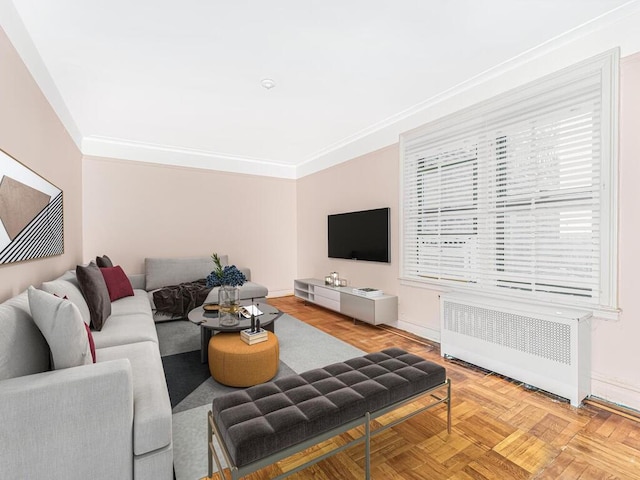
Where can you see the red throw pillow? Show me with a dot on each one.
(92, 346)
(117, 282)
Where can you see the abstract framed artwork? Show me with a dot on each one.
(31, 214)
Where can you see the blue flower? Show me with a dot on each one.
(230, 276)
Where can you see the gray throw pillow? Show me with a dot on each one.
(104, 262)
(95, 293)
(62, 326)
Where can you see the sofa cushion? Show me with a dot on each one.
(23, 349)
(104, 262)
(67, 286)
(164, 272)
(151, 405)
(118, 283)
(126, 328)
(60, 322)
(138, 303)
(95, 292)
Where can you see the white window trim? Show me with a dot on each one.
(608, 66)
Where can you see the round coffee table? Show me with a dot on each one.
(210, 323)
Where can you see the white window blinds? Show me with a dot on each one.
(513, 196)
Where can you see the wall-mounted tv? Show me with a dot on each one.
(362, 235)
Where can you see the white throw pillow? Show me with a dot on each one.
(62, 326)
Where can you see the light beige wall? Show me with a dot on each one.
(367, 182)
(134, 210)
(31, 132)
(370, 181)
(615, 371)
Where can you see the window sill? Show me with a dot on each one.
(600, 312)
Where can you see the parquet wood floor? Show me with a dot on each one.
(500, 430)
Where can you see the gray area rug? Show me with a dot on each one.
(302, 348)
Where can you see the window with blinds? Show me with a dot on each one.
(515, 195)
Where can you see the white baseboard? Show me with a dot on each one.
(424, 332)
(279, 293)
(615, 391)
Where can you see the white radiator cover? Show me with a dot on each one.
(544, 346)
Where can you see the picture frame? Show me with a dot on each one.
(31, 213)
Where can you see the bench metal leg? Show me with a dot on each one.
(449, 407)
(212, 452)
(210, 445)
(367, 447)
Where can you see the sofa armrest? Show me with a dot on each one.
(246, 271)
(75, 423)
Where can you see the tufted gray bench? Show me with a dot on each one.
(266, 423)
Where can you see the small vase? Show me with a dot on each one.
(229, 301)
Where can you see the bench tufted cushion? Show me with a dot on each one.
(264, 419)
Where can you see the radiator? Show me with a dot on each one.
(543, 346)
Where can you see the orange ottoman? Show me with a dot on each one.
(234, 363)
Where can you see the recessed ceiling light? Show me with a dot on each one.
(268, 83)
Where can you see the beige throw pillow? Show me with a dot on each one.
(62, 326)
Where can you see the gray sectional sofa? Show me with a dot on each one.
(105, 420)
(162, 272)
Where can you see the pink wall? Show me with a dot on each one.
(31, 132)
(134, 210)
(125, 206)
(615, 371)
(366, 182)
(372, 181)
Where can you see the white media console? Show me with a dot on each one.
(373, 310)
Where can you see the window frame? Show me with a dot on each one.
(606, 66)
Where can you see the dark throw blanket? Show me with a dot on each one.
(181, 299)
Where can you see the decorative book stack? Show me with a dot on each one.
(368, 292)
(250, 337)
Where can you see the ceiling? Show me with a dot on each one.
(169, 81)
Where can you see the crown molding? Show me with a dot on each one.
(118, 148)
(17, 34)
(387, 131)
(614, 28)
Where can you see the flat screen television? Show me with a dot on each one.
(362, 235)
